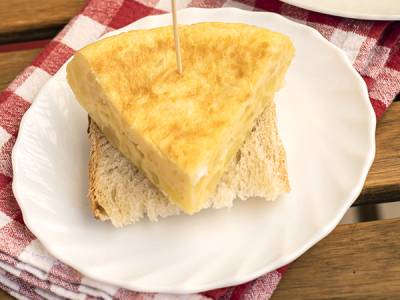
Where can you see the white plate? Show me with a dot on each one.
(327, 126)
(357, 9)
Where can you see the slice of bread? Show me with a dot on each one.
(121, 193)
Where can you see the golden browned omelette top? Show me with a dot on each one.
(184, 116)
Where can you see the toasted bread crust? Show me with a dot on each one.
(95, 153)
(119, 192)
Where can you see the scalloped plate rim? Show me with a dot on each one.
(342, 13)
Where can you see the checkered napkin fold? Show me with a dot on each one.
(26, 269)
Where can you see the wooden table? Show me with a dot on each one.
(356, 261)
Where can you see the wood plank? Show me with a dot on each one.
(5, 296)
(30, 35)
(12, 63)
(383, 182)
(357, 261)
(22, 15)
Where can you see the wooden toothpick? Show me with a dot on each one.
(176, 37)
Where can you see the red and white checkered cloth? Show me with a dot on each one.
(26, 269)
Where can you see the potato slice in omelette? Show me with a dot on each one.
(181, 130)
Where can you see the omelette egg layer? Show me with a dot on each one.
(181, 130)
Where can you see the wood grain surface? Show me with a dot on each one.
(12, 63)
(5, 296)
(383, 181)
(23, 15)
(357, 261)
